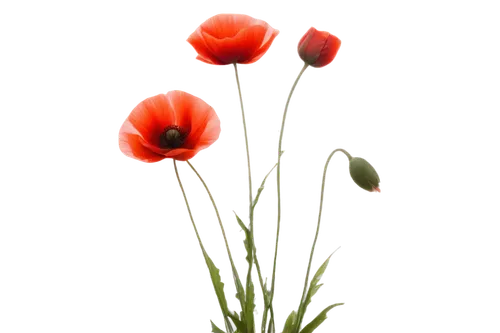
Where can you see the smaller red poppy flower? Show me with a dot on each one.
(318, 48)
(232, 38)
(174, 125)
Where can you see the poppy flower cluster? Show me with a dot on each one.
(178, 125)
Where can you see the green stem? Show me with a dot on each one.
(262, 186)
(245, 137)
(263, 323)
(250, 311)
(250, 295)
(277, 178)
(222, 230)
(325, 169)
(313, 246)
(197, 234)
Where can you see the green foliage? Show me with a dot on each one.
(290, 323)
(318, 320)
(215, 329)
(240, 325)
(314, 286)
(217, 283)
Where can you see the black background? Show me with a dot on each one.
(150, 279)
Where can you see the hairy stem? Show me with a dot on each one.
(313, 246)
(250, 313)
(222, 230)
(197, 234)
(278, 177)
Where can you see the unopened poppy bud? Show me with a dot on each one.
(364, 174)
(318, 48)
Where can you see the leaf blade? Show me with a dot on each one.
(215, 329)
(313, 289)
(309, 328)
(290, 323)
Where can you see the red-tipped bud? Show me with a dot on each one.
(364, 174)
(318, 48)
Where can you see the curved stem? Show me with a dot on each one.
(222, 230)
(250, 315)
(278, 176)
(313, 247)
(196, 232)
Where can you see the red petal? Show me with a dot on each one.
(239, 48)
(328, 52)
(226, 25)
(268, 40)
(132, 146)
(182, 154)
(209, 61)
(151, 116)
(197, 41)
(314, 44)
(210, 134)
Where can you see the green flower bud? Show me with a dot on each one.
(364, 174)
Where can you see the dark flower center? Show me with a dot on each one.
(171, 138)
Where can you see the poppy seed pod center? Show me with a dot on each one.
(171, 138)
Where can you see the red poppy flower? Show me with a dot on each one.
(318, 48)
(232, 38)
(174, 125)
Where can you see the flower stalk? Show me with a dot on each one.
(278, 175)
(218, 290)
(249, 280)
(313, 246)
(237, 281)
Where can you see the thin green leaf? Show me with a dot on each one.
(217, 281)
(262, 186)
(240, 221)
(248, 247)
(250, 294)
(240, 326)
(290, 323)
(249, 306)
(312, 292)
(215, 329)
(318, 320)
(313, 289)
(251, 250)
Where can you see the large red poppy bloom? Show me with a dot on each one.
(318, 48)
(232, 38)
(174, 125)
